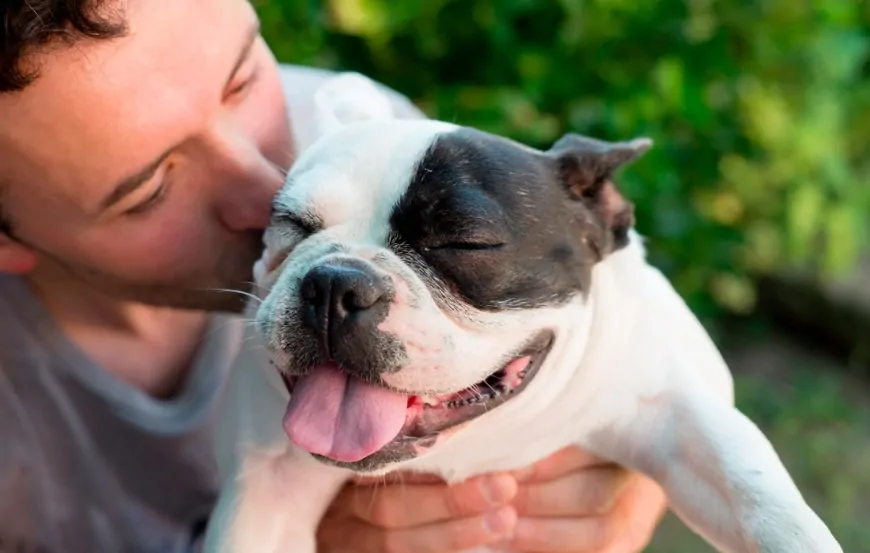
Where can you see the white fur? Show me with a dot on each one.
(632, 377)
(335, 107)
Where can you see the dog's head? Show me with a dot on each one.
(414, 268)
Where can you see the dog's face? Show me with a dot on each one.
(413, 270)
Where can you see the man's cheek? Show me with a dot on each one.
(151, 259)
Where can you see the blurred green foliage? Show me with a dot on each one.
(760, 110)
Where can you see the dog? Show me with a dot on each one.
(439, 299)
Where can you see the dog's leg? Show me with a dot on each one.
(721, 474)
(666, 408)
(274, 505)
(273, 494)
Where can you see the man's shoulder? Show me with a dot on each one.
(301, 82)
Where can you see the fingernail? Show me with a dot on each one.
(501, 523)
(498, 490)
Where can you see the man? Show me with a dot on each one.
(141, 143)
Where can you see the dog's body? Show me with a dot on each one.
(411, 262)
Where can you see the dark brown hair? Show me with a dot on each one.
(30, 25)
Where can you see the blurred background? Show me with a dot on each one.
(755, 199)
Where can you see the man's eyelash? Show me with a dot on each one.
(150, 202)
(244, 84)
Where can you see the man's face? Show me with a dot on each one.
(146, 165)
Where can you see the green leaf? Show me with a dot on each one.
(841, 233)
(805, 208)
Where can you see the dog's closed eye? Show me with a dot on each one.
(469, 243)
(302, 223)
(286, 230)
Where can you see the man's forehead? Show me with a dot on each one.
(102, 107)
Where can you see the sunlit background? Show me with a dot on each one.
(755, 199)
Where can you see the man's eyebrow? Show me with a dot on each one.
(253, 33)
(130, 184)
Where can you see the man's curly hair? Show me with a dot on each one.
(30, 25)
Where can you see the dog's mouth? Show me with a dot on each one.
(366, 426)
(429, 415)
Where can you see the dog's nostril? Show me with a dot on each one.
(362, 294)
(352, 301)
(336, 293)
(309, 290)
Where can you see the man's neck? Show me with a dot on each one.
(151, 348)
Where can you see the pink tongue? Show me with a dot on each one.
(341, 417)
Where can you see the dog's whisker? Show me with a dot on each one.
(230, 291)
(224, 324)
(257, 285)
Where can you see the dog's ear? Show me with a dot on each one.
(348, 98)
(586, 166)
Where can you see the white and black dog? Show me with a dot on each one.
(440, 299)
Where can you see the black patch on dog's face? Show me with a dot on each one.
(508, 227)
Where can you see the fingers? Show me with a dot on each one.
(642, 508)
(564, 461)
(626, 528)
(563, 535)
(447, 537)
(403, 506)
(590, 492)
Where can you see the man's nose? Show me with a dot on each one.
(343, 302)
(249, 181)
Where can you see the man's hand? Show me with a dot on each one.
(570, 502)
(413, 514)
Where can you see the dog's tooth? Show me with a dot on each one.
(430, 401)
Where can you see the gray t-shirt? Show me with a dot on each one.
(89, 464)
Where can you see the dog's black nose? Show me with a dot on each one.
(343, 302)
